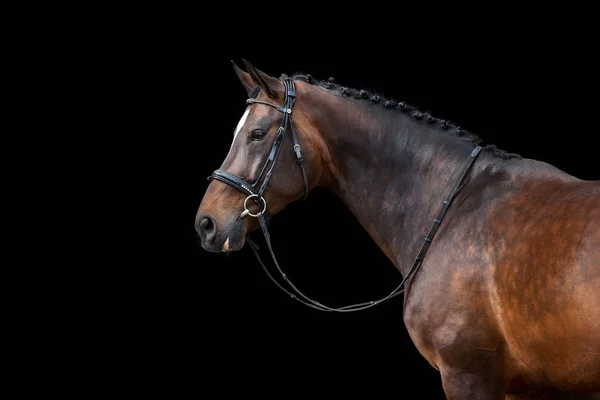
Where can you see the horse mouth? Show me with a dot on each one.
(227, 241)
(229, 245)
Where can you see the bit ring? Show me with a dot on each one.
(247, 212)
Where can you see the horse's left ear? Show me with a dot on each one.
(271, 86)
(244, 78)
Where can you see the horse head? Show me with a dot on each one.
(275, 158)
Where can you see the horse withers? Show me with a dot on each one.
(499, 254)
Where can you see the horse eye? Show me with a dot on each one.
(258, 134)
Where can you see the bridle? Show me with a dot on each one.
(255, 192)
(252, 190)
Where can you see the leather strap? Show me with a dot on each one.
(232, 180)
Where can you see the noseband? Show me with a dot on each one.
(255, 192)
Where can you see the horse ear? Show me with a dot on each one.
(271, 86)
(244, 78)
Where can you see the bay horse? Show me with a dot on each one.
(499, 254)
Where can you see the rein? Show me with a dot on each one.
(256, 194)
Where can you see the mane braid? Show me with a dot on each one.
(424, 116)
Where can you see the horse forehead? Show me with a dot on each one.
(256, 113)
(252, 113)
(262, 113)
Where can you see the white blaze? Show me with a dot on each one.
(241, 123)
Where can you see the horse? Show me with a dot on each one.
(499, 254)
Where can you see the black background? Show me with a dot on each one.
(217, 321)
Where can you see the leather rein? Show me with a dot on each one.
(255, 192)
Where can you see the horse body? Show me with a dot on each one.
(511, 282)
(511, 285)
(507, 298)
(547, 279)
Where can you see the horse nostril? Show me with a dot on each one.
(207, 228)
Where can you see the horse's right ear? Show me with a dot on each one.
(244, 77)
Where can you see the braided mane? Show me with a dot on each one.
(446, 126)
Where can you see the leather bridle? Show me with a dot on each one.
(256, 193)
(252, 190)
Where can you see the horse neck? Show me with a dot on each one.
(391, 171)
